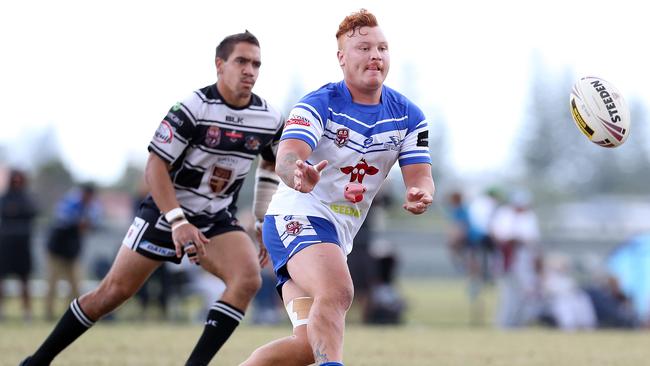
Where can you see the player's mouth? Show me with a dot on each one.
(374, 67)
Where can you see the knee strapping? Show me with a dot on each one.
(298, 310)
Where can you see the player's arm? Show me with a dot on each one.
(266, 184)
(419, 187)
(291, 167)
(164, 195)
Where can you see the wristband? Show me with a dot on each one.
(178, 224)
(174, 214)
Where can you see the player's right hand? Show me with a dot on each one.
(306, 176)
(185, 234)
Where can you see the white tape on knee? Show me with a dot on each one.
(298, 310)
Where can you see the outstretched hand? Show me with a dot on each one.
(417, 200)
(306, 176)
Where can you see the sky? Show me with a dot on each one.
(98, 76)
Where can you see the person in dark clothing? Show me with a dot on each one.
(76, 213)
(17, 213)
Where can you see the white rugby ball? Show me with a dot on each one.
(599, 111)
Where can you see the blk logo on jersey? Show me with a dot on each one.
(359, 171)
(164, 134)
(233, 119)
(213, 136)
(342, 137)
(293, 228)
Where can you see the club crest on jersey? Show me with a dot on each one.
(253, 143)
(164, 133)
(293, 228)
(359, 171)
(342, 136)
(393, 144)
(213, 136)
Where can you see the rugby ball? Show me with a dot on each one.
(599, 111)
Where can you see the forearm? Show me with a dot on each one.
(266, 184)
(285, 167)
(290, 151)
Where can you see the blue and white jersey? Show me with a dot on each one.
(361, 144)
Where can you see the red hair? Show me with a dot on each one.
(354, 21)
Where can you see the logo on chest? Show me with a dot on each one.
(253, 143)
(359, 171)
(393, 144)
(212, 136)
(342, 137)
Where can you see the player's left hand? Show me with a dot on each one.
(417, 200)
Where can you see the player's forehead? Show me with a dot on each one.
(245, 50)
(371, 35)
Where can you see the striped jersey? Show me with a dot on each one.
(361, 144)
(211, 145)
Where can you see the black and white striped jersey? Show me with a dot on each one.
(211, 145)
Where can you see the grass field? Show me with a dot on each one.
(436, 333)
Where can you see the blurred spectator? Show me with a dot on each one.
(17, 213)
(516, 232)
(568, 306)
(612, 307)
(385, 305)
(466, 246)
(481, 213)
(76, 213)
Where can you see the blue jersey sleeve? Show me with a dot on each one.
(415, 148)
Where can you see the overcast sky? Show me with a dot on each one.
(102, 74)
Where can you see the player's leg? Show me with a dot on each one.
(231, 256)
(321, 270)
(295, 349)
(129, 271)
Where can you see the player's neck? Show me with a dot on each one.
(364, 96)
(233, 99)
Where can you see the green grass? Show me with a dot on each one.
(436, 333)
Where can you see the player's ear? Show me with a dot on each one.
(218, 62)
(339, 55)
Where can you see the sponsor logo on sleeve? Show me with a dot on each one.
(174, 118)
(212, 136)
(295, 119)
(164, 134)
(423, 138)
(176, 106)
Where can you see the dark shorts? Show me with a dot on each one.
(151, 236)
(15, 256)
